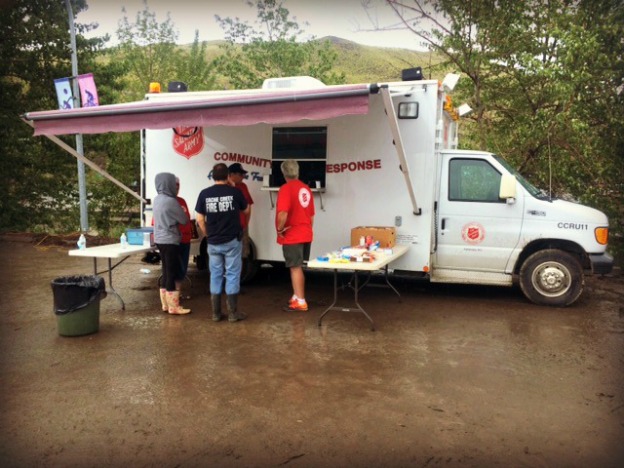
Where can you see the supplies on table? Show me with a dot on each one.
(355, 254)
(358, 254)
(377, 236)
(82, 242)
(141, 236)
(334, 257)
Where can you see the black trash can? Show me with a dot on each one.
(77, 304)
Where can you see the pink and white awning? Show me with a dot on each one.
(274, 107)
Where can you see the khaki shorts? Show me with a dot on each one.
(296, 254)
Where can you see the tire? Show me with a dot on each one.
(201, 260)
(250, 265)
(552, 277)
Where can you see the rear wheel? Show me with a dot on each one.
(201, 260)
(552, 277)
(250, 265)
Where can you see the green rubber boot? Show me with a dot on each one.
(232, 306)
(215, 300)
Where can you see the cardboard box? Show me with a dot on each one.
(386, 235)
(135, 236)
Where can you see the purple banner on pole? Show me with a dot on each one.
(64, 93)
(88, 91)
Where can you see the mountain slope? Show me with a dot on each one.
(364, 64)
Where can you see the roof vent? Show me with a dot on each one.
(177, 87)
(292, 82)
(412, 74)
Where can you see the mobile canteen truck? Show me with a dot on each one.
(374, 155)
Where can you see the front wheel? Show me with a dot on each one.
(552, 277)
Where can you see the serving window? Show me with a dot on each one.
(308, 146)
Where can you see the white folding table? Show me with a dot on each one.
(110, 252)
(381, 262)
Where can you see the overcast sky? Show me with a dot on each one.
(342, 18)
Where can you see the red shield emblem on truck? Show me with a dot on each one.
(473, 233)
(188, 141)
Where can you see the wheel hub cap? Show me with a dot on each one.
(552, 279)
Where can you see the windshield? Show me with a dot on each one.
(532, 189)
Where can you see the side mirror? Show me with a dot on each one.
(508, 187)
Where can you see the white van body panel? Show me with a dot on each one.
(364, 184)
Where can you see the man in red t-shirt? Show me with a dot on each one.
(236, 176)
(293, 221)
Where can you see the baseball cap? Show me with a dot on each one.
(236, 168)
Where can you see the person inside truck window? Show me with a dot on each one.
(218, 211)
(237, 175)
(294, 221)
(168, 215)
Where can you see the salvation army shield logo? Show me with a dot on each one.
(188, 141)
(304, 197)
(473, 233)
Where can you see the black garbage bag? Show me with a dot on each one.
(73, 293)
(151, 257)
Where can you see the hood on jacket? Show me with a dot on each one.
(166, 184)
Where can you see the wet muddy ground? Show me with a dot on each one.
(453, 376)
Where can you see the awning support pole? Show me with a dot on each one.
(82, 184)
(398, 144)
(89, 163)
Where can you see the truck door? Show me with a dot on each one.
(476, 231)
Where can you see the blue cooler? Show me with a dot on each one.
(136, 236)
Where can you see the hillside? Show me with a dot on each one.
(364, 64)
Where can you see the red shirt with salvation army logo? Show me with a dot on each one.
(296, 199)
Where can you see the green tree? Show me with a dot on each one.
(40, 192)
(273, 48)
(148, 50)
(39, 189)
(193, 67)
(545, 80)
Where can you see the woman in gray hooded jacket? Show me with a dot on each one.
(168, 214)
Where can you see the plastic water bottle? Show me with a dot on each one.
(146, 239)
(82, 242)
(124, 240)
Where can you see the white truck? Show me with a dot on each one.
(374, 155)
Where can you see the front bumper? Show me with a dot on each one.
(601, 264)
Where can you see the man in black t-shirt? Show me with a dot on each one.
(218, 211)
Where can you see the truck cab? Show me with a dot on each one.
(493, 225)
